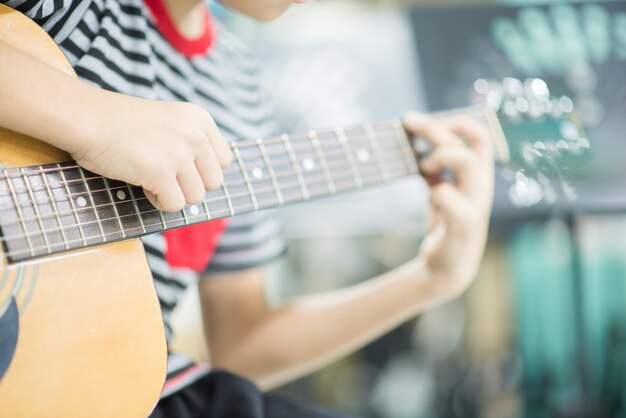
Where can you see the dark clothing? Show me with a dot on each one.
(223, 395)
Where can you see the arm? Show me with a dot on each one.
(117, 136)
(54, 101)
(275, 346)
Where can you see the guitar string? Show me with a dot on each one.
(318, 180)
(226, 212)
(337, 148)
(101, 237)
(229, 175)
(313, 190)
(309, 183)
(285, 161)
(391, 128)
(253, 144)
(335, 159)
(475, 111)
(343, 169)
(301, 139)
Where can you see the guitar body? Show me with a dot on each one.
(81, 333)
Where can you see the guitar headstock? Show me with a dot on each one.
(547, 145)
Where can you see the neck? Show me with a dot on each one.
(187, 16)
(59, 207)
(267, 173)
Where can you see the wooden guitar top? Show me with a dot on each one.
(90, 338)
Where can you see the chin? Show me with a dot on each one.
(265, 10)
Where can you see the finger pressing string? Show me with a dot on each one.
(451, 158)
(475, 134)
(432, 129)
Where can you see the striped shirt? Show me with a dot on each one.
(117, 45)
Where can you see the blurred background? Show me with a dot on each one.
(542, 331)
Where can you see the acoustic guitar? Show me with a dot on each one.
(81, 333)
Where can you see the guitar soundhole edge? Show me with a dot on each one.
(9, 330)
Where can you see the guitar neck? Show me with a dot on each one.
(53, 208)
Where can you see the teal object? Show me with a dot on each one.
(603, 289)
(569, 288)
(541, 269)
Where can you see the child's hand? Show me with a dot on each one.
(459, 218)
(173, 150)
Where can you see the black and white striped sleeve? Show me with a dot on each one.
(39, 9)
(250, 240)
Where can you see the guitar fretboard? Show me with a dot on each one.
(53, 208)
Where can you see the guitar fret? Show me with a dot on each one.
(332, 188)
(340, 170)
(228, 199)
(296, 166)
(343, 140)
(310, 166)
(194, 212)
(123, 208)
(36, 209)
(20, 214)
(49, 217)
(163, 220)
(206, 210)
(184, 218)
(71, 201)
(237, 189)
(405, 146)
(246, 178)
(172, 219)
(216, 205)
(365, 155)
(134, 201)
(270, 170)
(107, 185)
(150, 220)
(105, 207)
(370, 133)
(85, 205)
(154, 215)
(93, 204)
(55, 207)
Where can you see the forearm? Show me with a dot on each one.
(40, 101)
(272, 347)
(313, 331)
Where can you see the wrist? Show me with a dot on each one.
(97, 113)
(81, 121)
(432, 287)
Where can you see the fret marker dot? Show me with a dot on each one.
(81, 201)
(257, 173)
(194, 210)
(308, 164)
(363, 156)
(120, 195)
